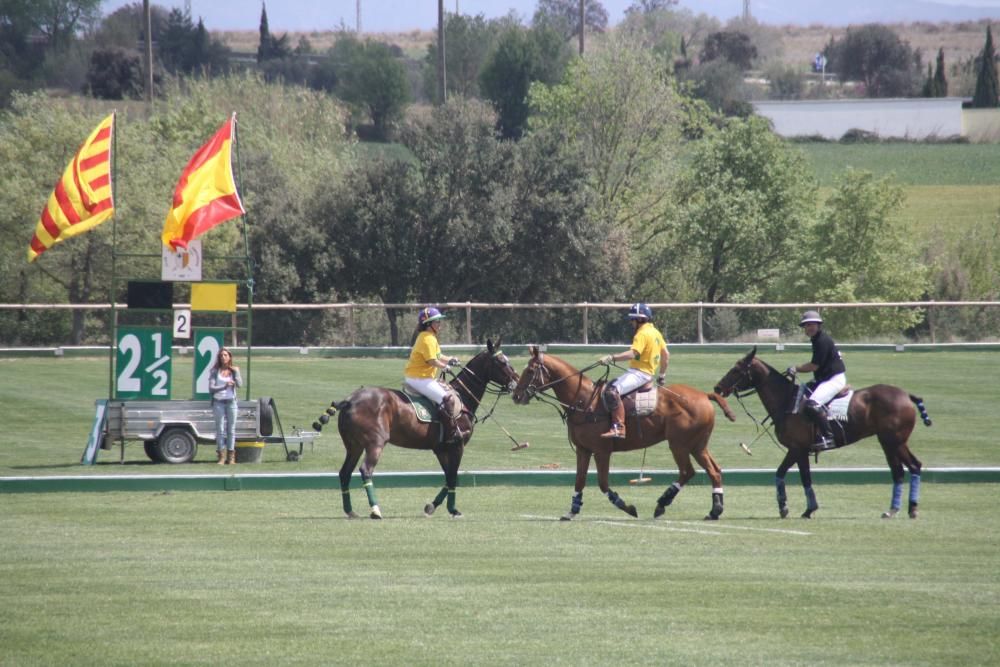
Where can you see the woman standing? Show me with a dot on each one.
(223, 382)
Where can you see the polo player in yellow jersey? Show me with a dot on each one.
(425, 362)
(647, 355)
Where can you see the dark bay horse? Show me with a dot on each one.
(882, 410)
(683, 416)
(373, 416)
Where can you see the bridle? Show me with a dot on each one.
(539, 383)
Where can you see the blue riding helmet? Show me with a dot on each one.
(640, 311)
(428, 315)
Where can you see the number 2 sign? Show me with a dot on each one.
(143, 363)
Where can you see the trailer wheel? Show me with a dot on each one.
(177, 445)
(266, 414)
(152, 451)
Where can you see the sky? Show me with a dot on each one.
(405, 15)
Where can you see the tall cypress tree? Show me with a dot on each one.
(986, 80)
(266, 46)
(940, 81)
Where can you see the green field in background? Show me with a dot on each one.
(49, 407)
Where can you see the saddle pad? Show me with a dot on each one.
(425, 409)
(838, 406)
(645, 402)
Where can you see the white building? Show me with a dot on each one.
(911, 118)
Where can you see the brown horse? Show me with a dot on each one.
(683, 416)
(882, 410)
(373, 416)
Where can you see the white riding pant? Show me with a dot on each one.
(436, 391)
(630, 380)
(825, 391)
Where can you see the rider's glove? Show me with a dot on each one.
(606, 359)
(454, 362)
(661, 379)
(790, 371)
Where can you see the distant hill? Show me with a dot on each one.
(848, 12)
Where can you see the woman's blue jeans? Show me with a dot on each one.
(225, 424)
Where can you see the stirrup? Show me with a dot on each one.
(616, 431)
(823, 445)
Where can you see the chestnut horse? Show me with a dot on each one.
(683, 416)
(882, 410)
(373, 416)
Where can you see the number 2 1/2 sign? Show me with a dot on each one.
(207, 343)
(143, 363)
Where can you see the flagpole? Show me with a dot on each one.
(113, 324)
(246, 248)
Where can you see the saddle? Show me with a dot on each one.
(836, 407)
(427, 412)
(638, 403)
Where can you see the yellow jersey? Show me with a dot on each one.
(647, 345)
(425, 349)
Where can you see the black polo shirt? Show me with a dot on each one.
(826, 356)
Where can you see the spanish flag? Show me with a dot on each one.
(83, 198)
(206, 194)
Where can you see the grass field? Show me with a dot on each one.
(279, 578)
(48, 407)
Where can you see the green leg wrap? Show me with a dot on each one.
(451, 500)
(370, 490)
(346, 496)
(439, 498)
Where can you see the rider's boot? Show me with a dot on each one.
(617, 429)
(452, 432)
(824, 434)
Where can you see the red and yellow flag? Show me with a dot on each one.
(206, 194)
(83, 198)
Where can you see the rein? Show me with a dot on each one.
(537, 392)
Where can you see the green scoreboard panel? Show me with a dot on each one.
(143, 363)
(207, 343)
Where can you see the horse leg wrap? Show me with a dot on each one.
(370, 490)
(615, 500)
(897, 495)
(346, 497)
(914, 489)
(779, 487)
(716, 504)
(669, 495)
(576, 503)
(439, 498)
(811, 504)
(451, 500)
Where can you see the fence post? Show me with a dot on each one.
(468, 323)
(586, 323)
(701, 312)
(350, 324)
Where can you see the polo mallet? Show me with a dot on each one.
(641, 479)
(517, 445)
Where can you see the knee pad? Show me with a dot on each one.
(610, 397)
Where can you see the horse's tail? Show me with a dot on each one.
(919, 402)
(330, 411)
(722, 404)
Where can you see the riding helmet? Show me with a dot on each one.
(428, 315)
(810, 316)
(640, 311)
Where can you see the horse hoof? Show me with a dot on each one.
(568, 516)
(808, 514)
(913, 514)
(455, 515)
(659, 511)
(710, 517)
(352, 515)
(890, 514)
(783, 512)
(631, 511)
(429, 509)
(376, 512)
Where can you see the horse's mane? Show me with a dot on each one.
(773, 373)
(566, 370)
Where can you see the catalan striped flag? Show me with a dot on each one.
(83, 197)
(206, 194)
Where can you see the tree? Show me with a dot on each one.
(59, 21)
(860, 252)
(744, 202)
(649, 6)
(875, 55)
(986, 76)
(186, 48)
(521, 57)
(620, 113)
(468, 42)
(269, 46)
(372, 79)
(732, 46)
(563, 16)
(940, 81)
(115, 74)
